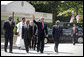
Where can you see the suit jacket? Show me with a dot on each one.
(25, 31)
(57, 31)
(7, 28)
(35, 28)
(41, 32)
(32, 30)
(28, 32)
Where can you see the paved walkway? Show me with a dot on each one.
(64, 50)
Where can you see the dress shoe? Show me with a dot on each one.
(37, 50)
(41, 52)
(73, 43)
(10, 52)
(34, 48)
(19, 47)
(27, 51)
(57, 51)
(5, 50)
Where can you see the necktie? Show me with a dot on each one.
(10, 23)
(42, 26)
(74, 29)
(27, 27)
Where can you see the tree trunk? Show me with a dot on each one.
(13, 15)
(76, 11)
(54, 17)
(54, 11)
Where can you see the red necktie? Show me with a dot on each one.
(74, 29)
(42, 26)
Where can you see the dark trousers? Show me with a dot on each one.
(74, 39)
(30, 42)
(26, 42)
(34, 40)
(8, 38)
(40, 44)
(56, 44)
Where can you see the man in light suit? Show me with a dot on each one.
(57, 32)
(42, 31)
(8, 28)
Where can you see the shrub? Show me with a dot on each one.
(15, 28)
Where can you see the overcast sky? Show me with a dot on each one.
(5, 2)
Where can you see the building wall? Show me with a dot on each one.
(3, 8)
(47, 16)
(17, 7)
(20, 10)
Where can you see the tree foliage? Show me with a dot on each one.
(59, 8)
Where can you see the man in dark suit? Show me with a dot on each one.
(42, 31)
(34, 37)
(25, 35)
(74, 33)
(8, 28)
(57, 32)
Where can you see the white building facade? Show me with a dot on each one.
(22, 8)
(18, 7)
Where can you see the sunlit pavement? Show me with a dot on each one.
(64, 50)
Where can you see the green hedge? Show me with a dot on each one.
(49, 25)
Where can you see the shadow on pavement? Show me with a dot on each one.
(18, 53)
(50, 52)
(65, 52)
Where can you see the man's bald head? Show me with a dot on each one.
(31, 22)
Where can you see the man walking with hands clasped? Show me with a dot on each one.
(57, 32)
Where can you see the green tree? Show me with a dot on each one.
(46, 6)
(15, 28)
(59, 8)
(72, 5)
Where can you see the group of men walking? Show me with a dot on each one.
(29, 32)
(26, 34)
